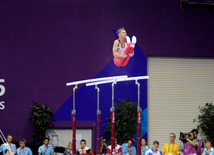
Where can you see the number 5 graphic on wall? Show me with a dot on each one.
(2, 88)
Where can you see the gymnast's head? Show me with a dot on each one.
(121, 33)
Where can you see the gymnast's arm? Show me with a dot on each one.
(115, 49)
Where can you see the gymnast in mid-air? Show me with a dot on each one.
(123, 48)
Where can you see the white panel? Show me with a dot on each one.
(54, 140)
(176, 88)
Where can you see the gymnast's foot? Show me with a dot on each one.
(134, 39)
(128, 39)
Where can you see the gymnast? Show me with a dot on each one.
(123, 49)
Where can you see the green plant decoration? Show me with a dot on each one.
(41, 117)
(125, 121)
(205, 120)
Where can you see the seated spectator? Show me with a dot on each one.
(23, 150)
(171, 148)
(46, 149)
(144, 147)
(209, 150)
(7, 152)
(118, 150)
(84, 149)
(154, 150)
(104, 146)
(128, 148)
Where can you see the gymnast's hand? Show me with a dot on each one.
(131, 54)
(123, 56)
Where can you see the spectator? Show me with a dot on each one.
(154, 150)
(128, 148)
(23, 150)
(46, 149)
(171, 148)
(200, 143)
(84, 149)
(189, 147)
(118, 150)
(69, 151)
(209, 150)
(7, 152)
(104, 146)
(9, 146)
(144, 147)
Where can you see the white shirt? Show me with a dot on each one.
(120, 49)
(83, 150)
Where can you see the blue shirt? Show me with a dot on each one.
(125, 149)
(143, 151)
(4, 147)
(45, 150)
(206, 151)
(151, 151)
(25, 151)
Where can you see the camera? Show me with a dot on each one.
(183, 136)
